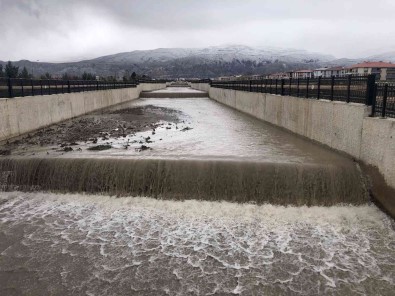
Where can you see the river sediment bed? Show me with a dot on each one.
(185, 196)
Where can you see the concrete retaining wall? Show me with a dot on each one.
(22, 115)
(341, 126)
(378, 146)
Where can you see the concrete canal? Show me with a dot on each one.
(185, 196)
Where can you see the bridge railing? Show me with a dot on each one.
(350, 89)
(15, 87)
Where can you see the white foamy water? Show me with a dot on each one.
(97, 245)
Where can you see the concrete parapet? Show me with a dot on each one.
(378, 146)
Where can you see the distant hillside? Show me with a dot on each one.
(191, 62)
(385, 57)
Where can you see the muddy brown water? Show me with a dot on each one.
(54, 244)
(229, 214)
(182, 149)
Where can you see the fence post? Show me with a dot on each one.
(332, 86)
(298, 88)
(97, 85)
(348, 89)
(370, 89)
(49, 87)
(9, 84)
(68, 86)
(31, 82)
(41, 86)
(23, 91)
(250, 85)
(307, 87)
(385, 95)
(290, 86)
(318, 87)
(282, 86)
(276, 85)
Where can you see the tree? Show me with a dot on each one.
(65, 76)
(46, 76)
(1, 71)
(88, 76)
(11, 71)
(24, 73)
(133, 76)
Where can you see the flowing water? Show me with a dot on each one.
(97, 245)
(189, 239)
(212, 153)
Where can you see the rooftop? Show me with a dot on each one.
(373, 65)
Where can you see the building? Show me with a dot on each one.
(336, 71)
(303, 74)
(282, 75)
(382, 70)
(319, 72)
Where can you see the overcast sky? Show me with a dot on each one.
(66, 30)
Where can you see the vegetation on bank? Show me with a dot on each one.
(13, 71)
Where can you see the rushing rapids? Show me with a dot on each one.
(90, 245)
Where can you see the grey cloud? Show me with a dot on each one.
(59, 30)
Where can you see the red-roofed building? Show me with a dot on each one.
(382, 70)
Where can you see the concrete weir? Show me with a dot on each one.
(174, 92)
(212, 180)
(223, 155)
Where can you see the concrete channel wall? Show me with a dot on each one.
(341, 126)
(25, 114)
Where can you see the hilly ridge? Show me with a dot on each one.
(191, 62)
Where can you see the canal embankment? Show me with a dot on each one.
(345, 127)
(22, 115)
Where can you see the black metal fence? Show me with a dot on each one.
(10, 87)
(15, 87)
(384, 100)
(350, 89)
(356, 89)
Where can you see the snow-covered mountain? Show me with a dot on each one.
(190, 62)
(216, 53)
(385, 57)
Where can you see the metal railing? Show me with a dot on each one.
(384, 105)
(15, 87)
(155, 81)
(350, 89)
(356, 89)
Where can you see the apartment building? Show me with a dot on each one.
(303, 74)
(382, 70)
